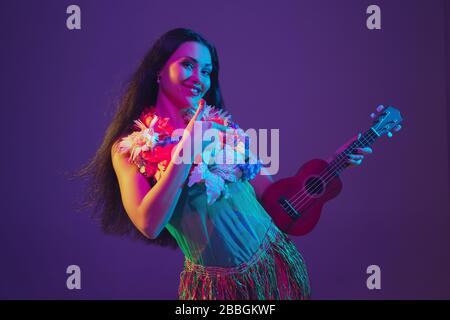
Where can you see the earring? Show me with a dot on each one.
(158, 79)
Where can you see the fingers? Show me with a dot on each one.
(355, 157)
(199, 110)
(354, 162)
(366, 150)
(196, 115)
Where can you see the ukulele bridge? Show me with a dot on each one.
(289, 208)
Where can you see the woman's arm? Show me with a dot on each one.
(150, 208)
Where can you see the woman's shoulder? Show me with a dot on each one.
(121, 156)
(120, 159)
(115, 147)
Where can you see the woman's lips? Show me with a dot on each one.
(192, 91)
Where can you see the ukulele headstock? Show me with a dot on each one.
(386, 120)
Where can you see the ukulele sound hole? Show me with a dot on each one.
(314, 186)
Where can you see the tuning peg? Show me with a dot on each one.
(389, 134)
(397, 128)
(373, 115)
(380, 108)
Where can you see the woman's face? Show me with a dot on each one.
(185, 78)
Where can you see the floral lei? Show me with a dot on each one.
(151, 144)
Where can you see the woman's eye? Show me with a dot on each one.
(190, 65)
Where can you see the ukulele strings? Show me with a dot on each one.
(329, 170)
(295, 200)
(337, 166)
(334, 167)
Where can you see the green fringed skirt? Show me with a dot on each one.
(275, 272)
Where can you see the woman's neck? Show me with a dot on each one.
(167, 109)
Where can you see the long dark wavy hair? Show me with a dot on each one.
(102, 192)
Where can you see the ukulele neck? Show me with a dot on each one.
(339, 162)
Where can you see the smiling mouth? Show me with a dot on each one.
(193, 91)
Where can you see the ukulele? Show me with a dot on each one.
(295, 203)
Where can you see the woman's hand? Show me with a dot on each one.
(190, 135)
(357, 156)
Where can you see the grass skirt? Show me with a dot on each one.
(275, 272)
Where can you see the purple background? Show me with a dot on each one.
(310, 68)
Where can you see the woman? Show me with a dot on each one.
(232, 248)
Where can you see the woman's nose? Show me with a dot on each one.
(196, 76)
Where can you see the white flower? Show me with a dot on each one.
(143, 140)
